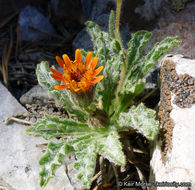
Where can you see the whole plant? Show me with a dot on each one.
(100, 101)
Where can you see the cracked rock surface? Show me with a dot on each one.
(19, 153)
(173, 157)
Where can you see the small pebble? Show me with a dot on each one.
(33, 119)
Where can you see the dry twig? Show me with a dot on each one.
(116, 176)
(11, 118)
(8, 19)
(96, 176)
(5, 58)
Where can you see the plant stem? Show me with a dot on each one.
(117, 23)
(117, 36)
(118, 12)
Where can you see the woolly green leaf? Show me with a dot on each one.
(132, 85)
(85, 151)
(110, 55)
(137, 66)
(110, 147)
(63, 96)
(52, 160)
(105, 47)
(133, 69)
(86, 162)
(131, 92)
(54, 127)
(158, 50)
(43, 76)
(87, 147)
(141, 119)
(110, 83)
(111, 24)
(136, 45)
(137, 88)
(82, 142)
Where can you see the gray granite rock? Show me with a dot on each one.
(150, 10)
(179, 24)
(82, 41)
(19, 153)
(31, 17)
(87, 6)
(173, 158)
(170, 23)
(102, 7)
(36, 95)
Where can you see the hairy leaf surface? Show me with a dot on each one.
(86, 163)
(110, 147)
(110, 55)
(159, 49)
(111, 24)
(138, 65)
(52, 160)
(50, 127)
(141, 119)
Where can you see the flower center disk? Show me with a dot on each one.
(76, 77)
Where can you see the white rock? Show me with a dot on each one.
(180, 164)
(19, 153)
(9, 105)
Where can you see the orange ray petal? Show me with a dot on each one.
(67, 61)
(57, 77)
(78, 56)
(76, 90)
(88, 59)
(60, 61)
(80, 66)
(97, 71)
(55, 72)
(59, 87)
(94, 63)
(97, 79)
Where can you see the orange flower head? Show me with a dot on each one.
(77, 76)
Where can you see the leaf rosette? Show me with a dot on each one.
(93, 128)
